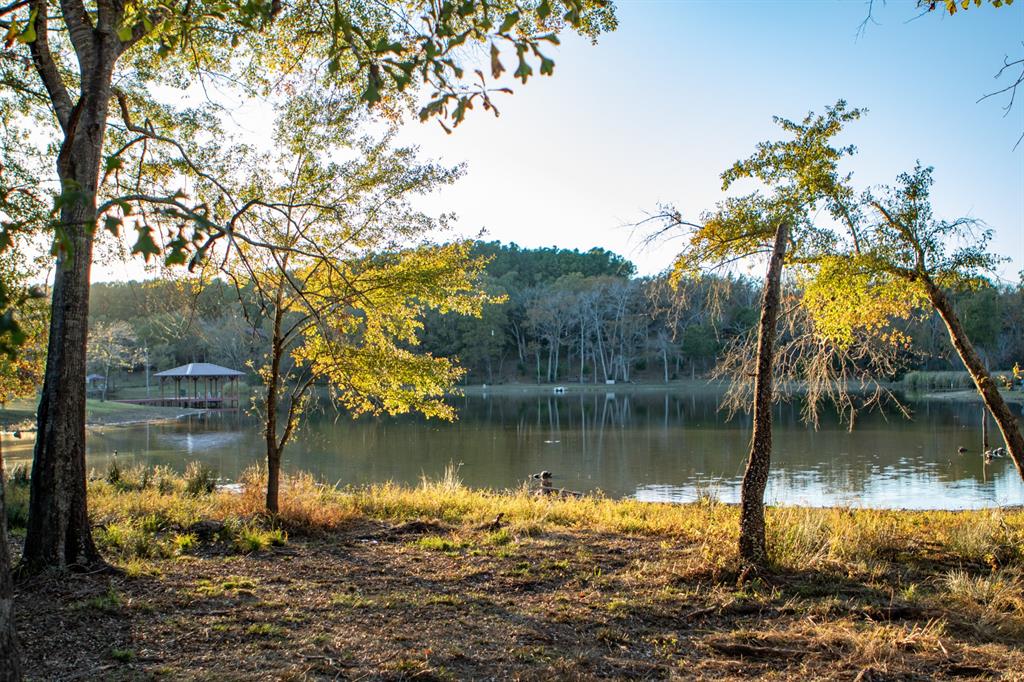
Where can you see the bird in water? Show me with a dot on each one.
(995, 453)
(542, 476)
(17, 434)
(961, 450)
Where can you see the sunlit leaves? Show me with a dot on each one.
(847, 297)
(366, 347)
(22, 329)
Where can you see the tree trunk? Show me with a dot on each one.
(10, 659)
(273, 387)
(583, 353)
(58, 534)
(106, 375)
(755, 479)
(1004, 418)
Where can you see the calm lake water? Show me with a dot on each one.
(650, 445)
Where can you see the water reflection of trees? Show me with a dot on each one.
(655, 443)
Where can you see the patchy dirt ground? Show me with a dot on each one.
(426, 601)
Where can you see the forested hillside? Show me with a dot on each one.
(568, 316)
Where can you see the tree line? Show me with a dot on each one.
(558, 316)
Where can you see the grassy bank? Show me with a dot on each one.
(956, 386)
(21, 414)
(393, 582)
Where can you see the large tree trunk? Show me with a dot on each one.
(755, 478)
(1005, 420)
(58, 534)
(10, 660)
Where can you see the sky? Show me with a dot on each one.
(657, 109)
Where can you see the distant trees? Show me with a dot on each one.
(190, 321)
(112, 346)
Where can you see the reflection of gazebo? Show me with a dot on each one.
(213, 386)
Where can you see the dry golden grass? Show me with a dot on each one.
(627, 589)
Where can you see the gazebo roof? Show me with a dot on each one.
(200, 369)
(95, 377)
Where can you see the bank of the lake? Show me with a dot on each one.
(20, 415)
(443, 582)
(972, 395)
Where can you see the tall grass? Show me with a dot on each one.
(798, 538)
(921, 382)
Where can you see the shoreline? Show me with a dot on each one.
(98, 414)
(967, 395)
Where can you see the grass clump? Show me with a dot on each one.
(110, 601)
(993, 603)
(499, 538)
(16, 494)
(351, 600)
(264, 630)
(251, 538)
(185, 543)
(134, 539)
(438, 543)
(200, 479)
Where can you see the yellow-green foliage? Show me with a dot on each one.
(383, 372)
(846, 297)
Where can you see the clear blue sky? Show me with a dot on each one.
(657, 109)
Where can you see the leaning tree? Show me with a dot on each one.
(905, 246)
(800, 220)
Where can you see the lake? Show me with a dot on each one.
(651, 445)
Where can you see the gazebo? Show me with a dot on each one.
(212, 386)
(95, 383)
